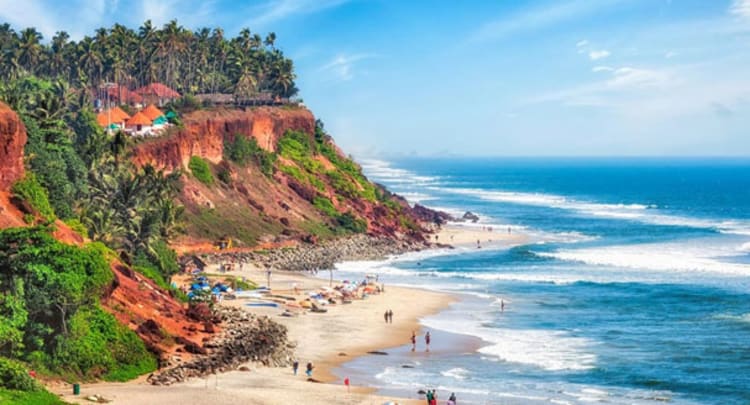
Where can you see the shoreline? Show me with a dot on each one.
(330, 340)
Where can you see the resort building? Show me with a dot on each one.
(157, 93)
(139, 124)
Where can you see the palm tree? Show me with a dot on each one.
(30, 49)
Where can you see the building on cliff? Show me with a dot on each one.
(157, 93)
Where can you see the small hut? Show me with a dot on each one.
(138, 124)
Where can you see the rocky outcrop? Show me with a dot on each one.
(12, 141)
(431, 216)
(324, 255)
(204, 132)
(246, 338)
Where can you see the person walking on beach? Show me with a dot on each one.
(427, 341)
(452, 399)
(429, 397)
(390, 316)
(434, 398)
(295, 366)
(385, 316)
(413, 341)
(309, 370)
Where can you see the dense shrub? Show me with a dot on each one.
(99, 347)
(14, 376)
(295, 145)
(201, 170)
(350, 222)
(325, 205)
(243, 150)
(29, 190)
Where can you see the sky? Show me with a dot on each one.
(395, 78)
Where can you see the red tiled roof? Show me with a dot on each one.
(118, 115)
(102, 119)
(127, 96)
(138, 119)
(157, 89)
(152, 112)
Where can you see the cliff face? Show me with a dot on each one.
(204, 132)
(307, 197)
(129, 293)
(12, 141)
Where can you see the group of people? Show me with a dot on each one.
(427, 339)
(431, 397)
(388, 316)
(308, 369)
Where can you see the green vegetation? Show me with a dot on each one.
(201, 170)
(243, 150)
(98, 342)
(29, 397)
(191, 62)
(29, 190)
(326, 206)
(239, 221)
(43, 107)
(295, 145)
(50, 314)
(77, 226)
(14, 376)
(133, 211)
(350, 222)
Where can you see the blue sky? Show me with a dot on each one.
(520, 78)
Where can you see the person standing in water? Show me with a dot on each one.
(427, 341)
(413, 341)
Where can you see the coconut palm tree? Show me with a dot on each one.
(30, 49)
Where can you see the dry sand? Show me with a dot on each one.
(467, 236)
(351, 329)
(326, 339)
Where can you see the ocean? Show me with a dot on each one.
(634, 288)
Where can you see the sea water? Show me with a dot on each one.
(633, 289)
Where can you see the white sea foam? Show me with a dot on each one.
(380, 170)
(745, 247)
(646, 213)
(458, 373)
(689, 257)
(546, 349)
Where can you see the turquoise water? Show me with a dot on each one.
(634, 289)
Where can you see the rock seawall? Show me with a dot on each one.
(325, 255)
(246, 338)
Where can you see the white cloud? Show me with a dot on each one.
(740, 8)
(276, 10)
(539, 18)
(670, 54)
(597, 69)
(29, 13)
(582, 43)
(342, 66)
(630, 77)
(596, 55)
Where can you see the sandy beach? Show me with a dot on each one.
(461, 235)
(325, 339)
